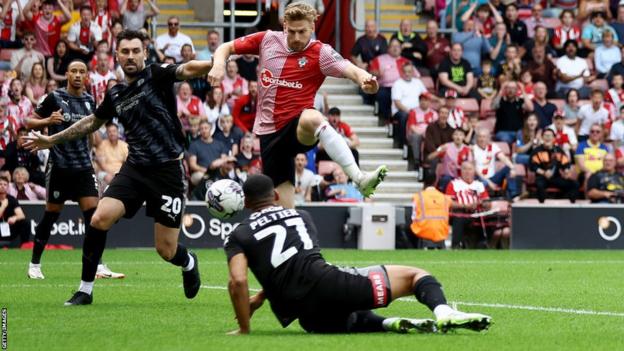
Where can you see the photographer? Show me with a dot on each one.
(606, 185)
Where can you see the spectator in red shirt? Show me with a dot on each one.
(189, 106)
(438, 48)
(418, 120)
(244, 110)
(345, 131)
(46, 25)
(451, 155)
(568, 30)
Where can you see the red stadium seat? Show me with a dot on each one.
(551, 23)
(5, 54)
(468, 105)
(558, 102)
(504, 147)
(486, 109)
(488, 124)
(326, 167)
(520, 170)
(429, 84)
(600, 84)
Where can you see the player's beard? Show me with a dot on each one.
(131, 71)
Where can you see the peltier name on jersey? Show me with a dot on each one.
(271, 217)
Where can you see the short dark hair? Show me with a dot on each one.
(570, 42)
(566, 11)
(334, 111)
(103, 41)
(128, 34)
(86, 7)
(258, 188)
(49, 2)
(597, 91)
(549, 130)
(111, 124)
(511, 5)
(3, 178)
(212, 31)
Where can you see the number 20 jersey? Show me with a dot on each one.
(282, 252)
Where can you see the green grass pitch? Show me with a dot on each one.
(539, 300)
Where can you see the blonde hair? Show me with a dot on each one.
(298, 11)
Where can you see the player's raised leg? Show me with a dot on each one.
(108, 211)
(313, 126)
(42, 235)
(411, 281)
(168, 247)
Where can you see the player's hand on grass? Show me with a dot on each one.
(370, 85)
(56, 117)
(37, 141)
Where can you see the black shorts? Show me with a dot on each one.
(278, 151)
(64, 184)
(329, 305)
(161, 187)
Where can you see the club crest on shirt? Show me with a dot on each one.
(302, 62)
(87, 105)
(56, 194)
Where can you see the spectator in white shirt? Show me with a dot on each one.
(134, 16)
(617, 130)
(304, 180)
(485, 155)
(565, 136)
(406, 92)
(573, 72)
(84, 35)
(23, 59)
(607, 54)
(590, 114)
(170, 43)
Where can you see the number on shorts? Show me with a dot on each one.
(171, 205)
(277, 255)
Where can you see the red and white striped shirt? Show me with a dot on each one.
(8, 127)
(421, 119)
(193, 106)
(47, 33)
(99, 84)
(466, 194)
(104, 20)
(457, 118)
(20, 111)
(564, 34)
(9, 23)
(288, 80)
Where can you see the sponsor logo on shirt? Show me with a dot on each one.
(267, 79)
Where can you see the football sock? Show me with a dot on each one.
(86, 287)
(429, 292)
(182, 258)
(92, 249)
(365, 322)
(338, 150)
(42, 235)
(87, 219)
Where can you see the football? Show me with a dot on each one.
(225, 198)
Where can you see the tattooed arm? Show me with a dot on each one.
(85, 126)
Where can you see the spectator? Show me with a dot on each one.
(193, 132)
(451, 155)
(343, 129)
(341, 190)
(553, 169)
(110, 154)
(565, 136)
(438, 48)
(226, 170)
(12, 214)
(437, 134)
(542, 39)
(246, 159)
(17, 156)
(468, 195)
(98, 79)
(304, 180)
(418, 120)
(170, 43)
(543, 109)
(542, 69)
(248, 67)
(474, 45)
(116, 28)
(573, 72)
(499, 43)
(517, 30)
(21, 189)
(591, 114)
(134, 15)
(587, 8)
(189, 106)
(23, 59)
(187, 53)
(84, 35)
(368, 46)
(607, 54)
(615, 95)
(405, 93)
(510, 109)
(148, 43)
(18, 107)
(387, 69)
(214, 40)
(606, 185)
(618, 24)
(47, 25)
(103, 17)
(228, 134)
(101, 48)
(413, 47)
(57, 64)
(571, 107)
(36, 83)
(617, 68)
(535, 20)
(528, 138)
(590, 153)
(234, 86)
(486, 154)
(215, 106)
(455, 73)
(568, 30)
(471, 130)
(205, 154)
(457, 117)
(11, 13)
(485, 19)
(592, 33)
(617, 130)
(511, 68)
(244, 111)
(486, 85)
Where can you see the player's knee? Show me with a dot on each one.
(418, 274)
(166, 251)
(310, 120)
(100, 221)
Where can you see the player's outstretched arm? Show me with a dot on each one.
(366, 81)
(219, 60)
(86, 125)
(193, 69)
(239, 292)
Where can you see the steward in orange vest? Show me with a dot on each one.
(430, 217)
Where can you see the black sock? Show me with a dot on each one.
(181, 257)
(42, 235)
(429, 292)
(365, 322)
(87, 219)
(92, 249)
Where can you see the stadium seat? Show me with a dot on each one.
(486, 109)
(487, 123)
(600, 84)
(520, 170)
(504, 147)
(326, 167)
(558, 102)
(428, 83)
(469, 106)
(5, 54)
(551, 23)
